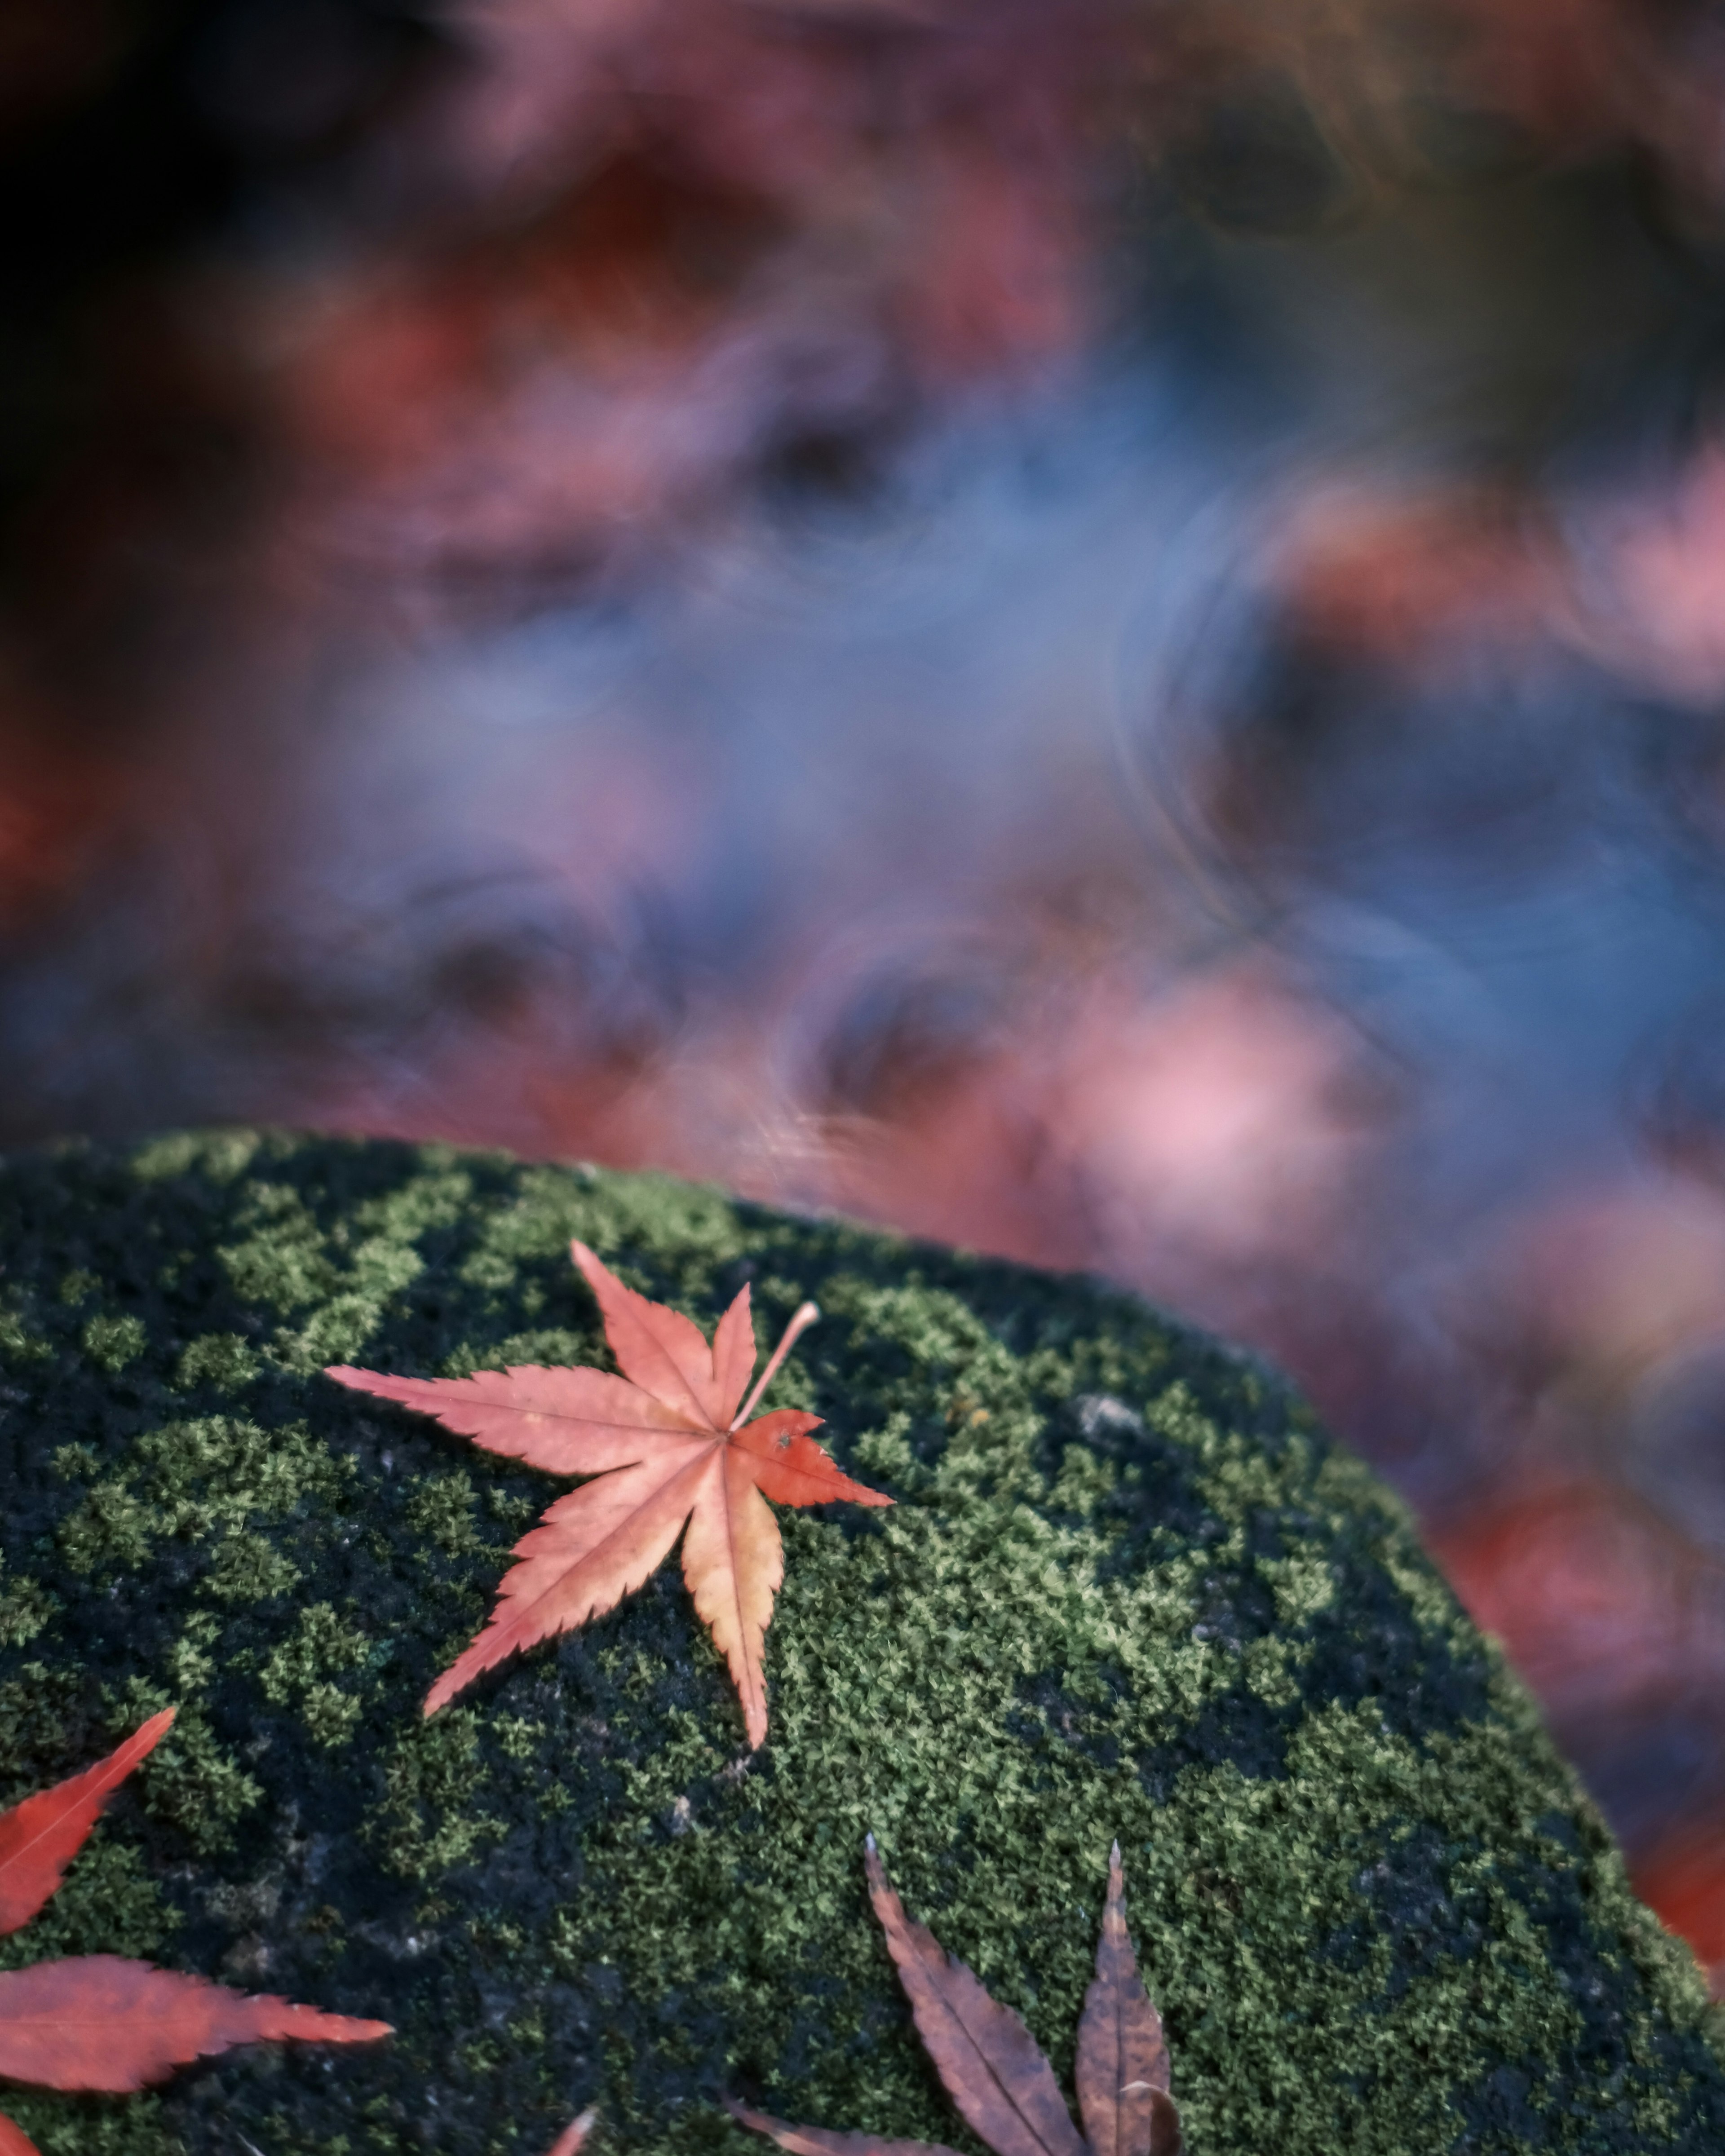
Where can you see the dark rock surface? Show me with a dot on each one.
(1128, 1589)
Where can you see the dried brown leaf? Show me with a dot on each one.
(991, 2065)
(1122, 2060)
(1164, 2126)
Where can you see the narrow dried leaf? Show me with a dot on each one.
(14, 2141)
(1122, 2059)
(572, 2136)
(813, 2141)
(660, 1439)
(39, 1837)
(99, 2022)
(991, 2065)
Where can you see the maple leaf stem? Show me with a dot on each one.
(793, 1332)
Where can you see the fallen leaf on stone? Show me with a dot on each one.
(97, 2021)
(991, 2065)
(666, 1442)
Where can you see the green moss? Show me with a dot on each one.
(18, 1342)
(431, 1821)
(93, 2126)
(1128, 1589)
(348, 1274)
(284, 1262)
(222, 1359)
(44, 1713)
(193, 1784)
(26, 1607)
(554, 1343)
(441, 1509)
(680, 1224)
(302, 1670)
(107, 1903)
(246, 1568)
(203, 1483)
(115, 1342)
(217, 1156)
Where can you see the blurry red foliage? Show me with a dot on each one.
(1601, 1602)
(53, 53)
(1683, 1878)
(553, 310)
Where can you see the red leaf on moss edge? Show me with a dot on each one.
(100, 2021)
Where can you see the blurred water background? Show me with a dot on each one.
(1094, 628)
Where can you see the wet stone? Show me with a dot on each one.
(1128, 1589)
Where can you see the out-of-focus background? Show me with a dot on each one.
(1094, 628)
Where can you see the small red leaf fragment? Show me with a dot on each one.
(815, 2141)
(991, 2065)
(572, 2136)
(39, 1837)
(1122, 2059)
(99, 2022)
(661, 1441)
(14, 2141)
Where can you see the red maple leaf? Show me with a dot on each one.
(666, 1443)
(97, 2021)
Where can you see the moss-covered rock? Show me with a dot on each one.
(1128, 1589)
